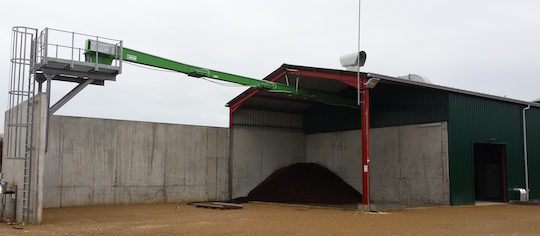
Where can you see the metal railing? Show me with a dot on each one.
(71, 46)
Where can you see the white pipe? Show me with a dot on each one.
(525, 150)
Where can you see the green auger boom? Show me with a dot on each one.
(106, 53)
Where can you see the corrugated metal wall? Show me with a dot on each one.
(267, 119)
(533, 147)
(474, 119)
(390, 105)
(326, 118)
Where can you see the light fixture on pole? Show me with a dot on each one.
(372, 82)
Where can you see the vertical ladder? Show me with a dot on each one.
(20, 114)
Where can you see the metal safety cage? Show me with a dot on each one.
(20, 114)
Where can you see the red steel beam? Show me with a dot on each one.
(351, 81)
(346, 79)
(230, 117)
(366, 188)
(239, 103)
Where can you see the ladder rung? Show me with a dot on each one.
(19, 92)
(17, 158)
(19, 124)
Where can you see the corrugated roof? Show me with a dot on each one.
(283, 102)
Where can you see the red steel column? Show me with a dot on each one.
(230, 117)
(366, 189)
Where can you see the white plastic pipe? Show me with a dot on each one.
(525, 150)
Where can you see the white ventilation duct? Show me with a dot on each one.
(353, 61)
(415, 77)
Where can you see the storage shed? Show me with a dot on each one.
(430, 145)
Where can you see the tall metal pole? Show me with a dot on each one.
(358, 59)
(363, 100)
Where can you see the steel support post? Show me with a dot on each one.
(366, 189)
(49, 84)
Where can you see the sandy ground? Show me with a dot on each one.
(269, 219)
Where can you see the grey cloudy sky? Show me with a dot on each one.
(485, 46)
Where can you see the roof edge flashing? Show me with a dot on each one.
(449, 89)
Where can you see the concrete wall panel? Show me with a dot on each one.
(86, 156)
(340, 152)
(409, 164)
(347, 157)
(257, 152)
(13, 169)
(99, 161)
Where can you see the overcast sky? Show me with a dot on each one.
(484, 46)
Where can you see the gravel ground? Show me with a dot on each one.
(271, 219)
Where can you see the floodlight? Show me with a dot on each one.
(372, 82)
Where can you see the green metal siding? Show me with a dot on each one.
(327, 118)
(470, 119)
(474, 119)
(390, 105)
(533, 147)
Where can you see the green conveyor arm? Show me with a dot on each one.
(142, 58)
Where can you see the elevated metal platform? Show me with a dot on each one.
(40, 78)
(77, 69)
(61, 56)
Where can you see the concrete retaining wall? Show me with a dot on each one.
(13, 169)
(258, 152)
(261, 143)
(409, 164)
(340, 152)
(99, 161)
